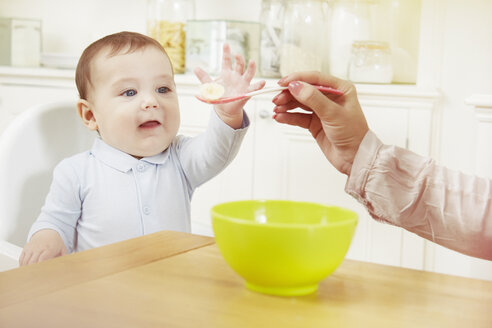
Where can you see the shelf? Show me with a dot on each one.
(37, 76)
(43, 76)
(480, 101)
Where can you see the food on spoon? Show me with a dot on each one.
(211, 91)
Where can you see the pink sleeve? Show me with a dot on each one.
(402, 188)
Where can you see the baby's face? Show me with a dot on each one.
(134, 101)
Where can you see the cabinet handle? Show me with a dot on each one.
(264, 114)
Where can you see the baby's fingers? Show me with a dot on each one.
(239, 67)
(256, 86)
(35, 257)
(46, 255)
(226, 58)
(202, 75)
(25, 257)
(250, 71)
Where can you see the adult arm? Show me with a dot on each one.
(396, 185)
(402, 188)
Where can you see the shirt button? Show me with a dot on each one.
(140, 167)
(146, 210)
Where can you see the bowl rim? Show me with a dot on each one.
(346, 221)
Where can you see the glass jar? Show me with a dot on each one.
(404, 41)
(271, 19)
(350, 21)
(166, 23)
(205, 39)
(370, 62)
(304, 34)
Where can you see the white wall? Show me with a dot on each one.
(466, 70)
(70, 25)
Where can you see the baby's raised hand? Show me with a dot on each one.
(236, 81)
(44, 245)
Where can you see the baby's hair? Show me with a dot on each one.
(116, 43)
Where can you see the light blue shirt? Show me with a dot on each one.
(104, 195)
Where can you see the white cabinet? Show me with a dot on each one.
(275, 161)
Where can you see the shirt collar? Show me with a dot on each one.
(120, 160)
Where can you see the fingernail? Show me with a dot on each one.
(275, 98)
(295, 87)
(274, 115)
(281, 80)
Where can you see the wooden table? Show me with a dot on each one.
(172, 279)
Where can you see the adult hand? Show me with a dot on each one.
(336, 122)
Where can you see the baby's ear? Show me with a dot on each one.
(85, 111)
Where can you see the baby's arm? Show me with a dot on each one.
(53, 232)
(43, 245)
(235, 81)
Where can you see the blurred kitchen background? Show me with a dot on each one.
(423, 70)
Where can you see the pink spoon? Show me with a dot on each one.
(224, 100)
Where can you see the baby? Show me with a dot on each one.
(139, 176)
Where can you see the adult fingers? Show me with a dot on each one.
(289, 107)
(312, 98)
(314, 77)
(239, 66)
(202, 75)
(297, 119)
(226, 57)
(286, 97)
(286, 102)
(283, 98)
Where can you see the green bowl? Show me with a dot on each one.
(282, 247)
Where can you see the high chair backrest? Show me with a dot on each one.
(30, 148)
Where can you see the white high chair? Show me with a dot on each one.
(30, 148)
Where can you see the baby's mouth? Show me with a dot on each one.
(149, 124)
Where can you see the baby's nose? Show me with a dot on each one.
(149, 103)
(150, 106)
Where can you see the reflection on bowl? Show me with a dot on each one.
(282, 247)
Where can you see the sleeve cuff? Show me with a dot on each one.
(362, 165)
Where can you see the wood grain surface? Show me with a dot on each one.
(188, 284)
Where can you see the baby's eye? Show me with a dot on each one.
(163, 90)
(129, 93)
